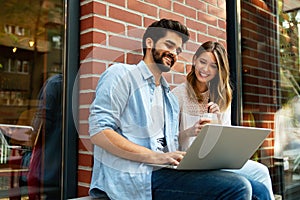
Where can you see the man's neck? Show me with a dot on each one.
(155, 71)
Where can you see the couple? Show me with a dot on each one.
(135, 119)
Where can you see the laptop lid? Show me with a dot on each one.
(16, 134)
(223, 147)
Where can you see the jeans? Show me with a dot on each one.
(257, 172)
(214, 184)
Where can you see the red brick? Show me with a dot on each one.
(250, 25)
(198, 5)
(217, 12)
(108, 25)
(125, 16)
(213, 2)
(85, 160)
(86, 23)
(197, 25)
(192, 46)
(101, 24)
(85, 145)
(184, 10)
(102, 54)
(188, 68)
(250, 61)
(268, 142)
(178, 78)
(143, 8)
(203, 38)
(83, 114)
(266, 152)
(88, 83)
(135, 32)
(117, 2)
(125, 43)
(92, 37)
(84, 176)
(133, 58)
(86, 98)
(222, 24)
(85, 53)
(168, 77)
(222, 4)
(83, 129)
(223, 42)
(218, 33)
(178, 67)
(148, 21)
(82, 191)
(204, 17)
(186, 56)
(160, 3)
(170, 15)
(93, 8)
(92, 68)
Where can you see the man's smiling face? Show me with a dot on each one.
(165, 51)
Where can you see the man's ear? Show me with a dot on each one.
(149, 43)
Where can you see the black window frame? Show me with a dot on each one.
(71, 63)
(233, 30)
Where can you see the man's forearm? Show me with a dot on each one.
(116, 144)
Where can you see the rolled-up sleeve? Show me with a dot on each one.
(110, 99)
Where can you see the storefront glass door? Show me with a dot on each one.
(31, 91)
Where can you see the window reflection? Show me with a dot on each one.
(31, 43)
(287, 119)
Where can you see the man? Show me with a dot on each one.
(134, 121)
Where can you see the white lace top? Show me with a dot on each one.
(191, 111)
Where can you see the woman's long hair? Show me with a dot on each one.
(219, 87)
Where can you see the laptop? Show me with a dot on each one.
(221, 147)
(8, 132)
(18, 133)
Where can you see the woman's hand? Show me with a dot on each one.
(213, 108)
(196, 128)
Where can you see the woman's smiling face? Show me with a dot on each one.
(206, 67)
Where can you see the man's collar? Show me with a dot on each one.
(146, 73)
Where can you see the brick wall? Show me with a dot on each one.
(260, 74)
(260, 69)
(111, 32)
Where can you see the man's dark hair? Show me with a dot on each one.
(159, 29)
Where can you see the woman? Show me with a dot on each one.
(207, 90)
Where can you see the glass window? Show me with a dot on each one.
(287, 119)
(270, 77)
(31, 66)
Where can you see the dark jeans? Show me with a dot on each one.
(215, 184)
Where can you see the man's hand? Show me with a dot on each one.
(116, 144)
(172, 158)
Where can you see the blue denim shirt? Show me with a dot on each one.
(122, 103)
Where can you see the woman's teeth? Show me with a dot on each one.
(204, 75)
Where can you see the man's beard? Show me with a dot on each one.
(158, 59)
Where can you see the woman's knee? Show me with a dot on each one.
(260, 191)
(238, 188)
